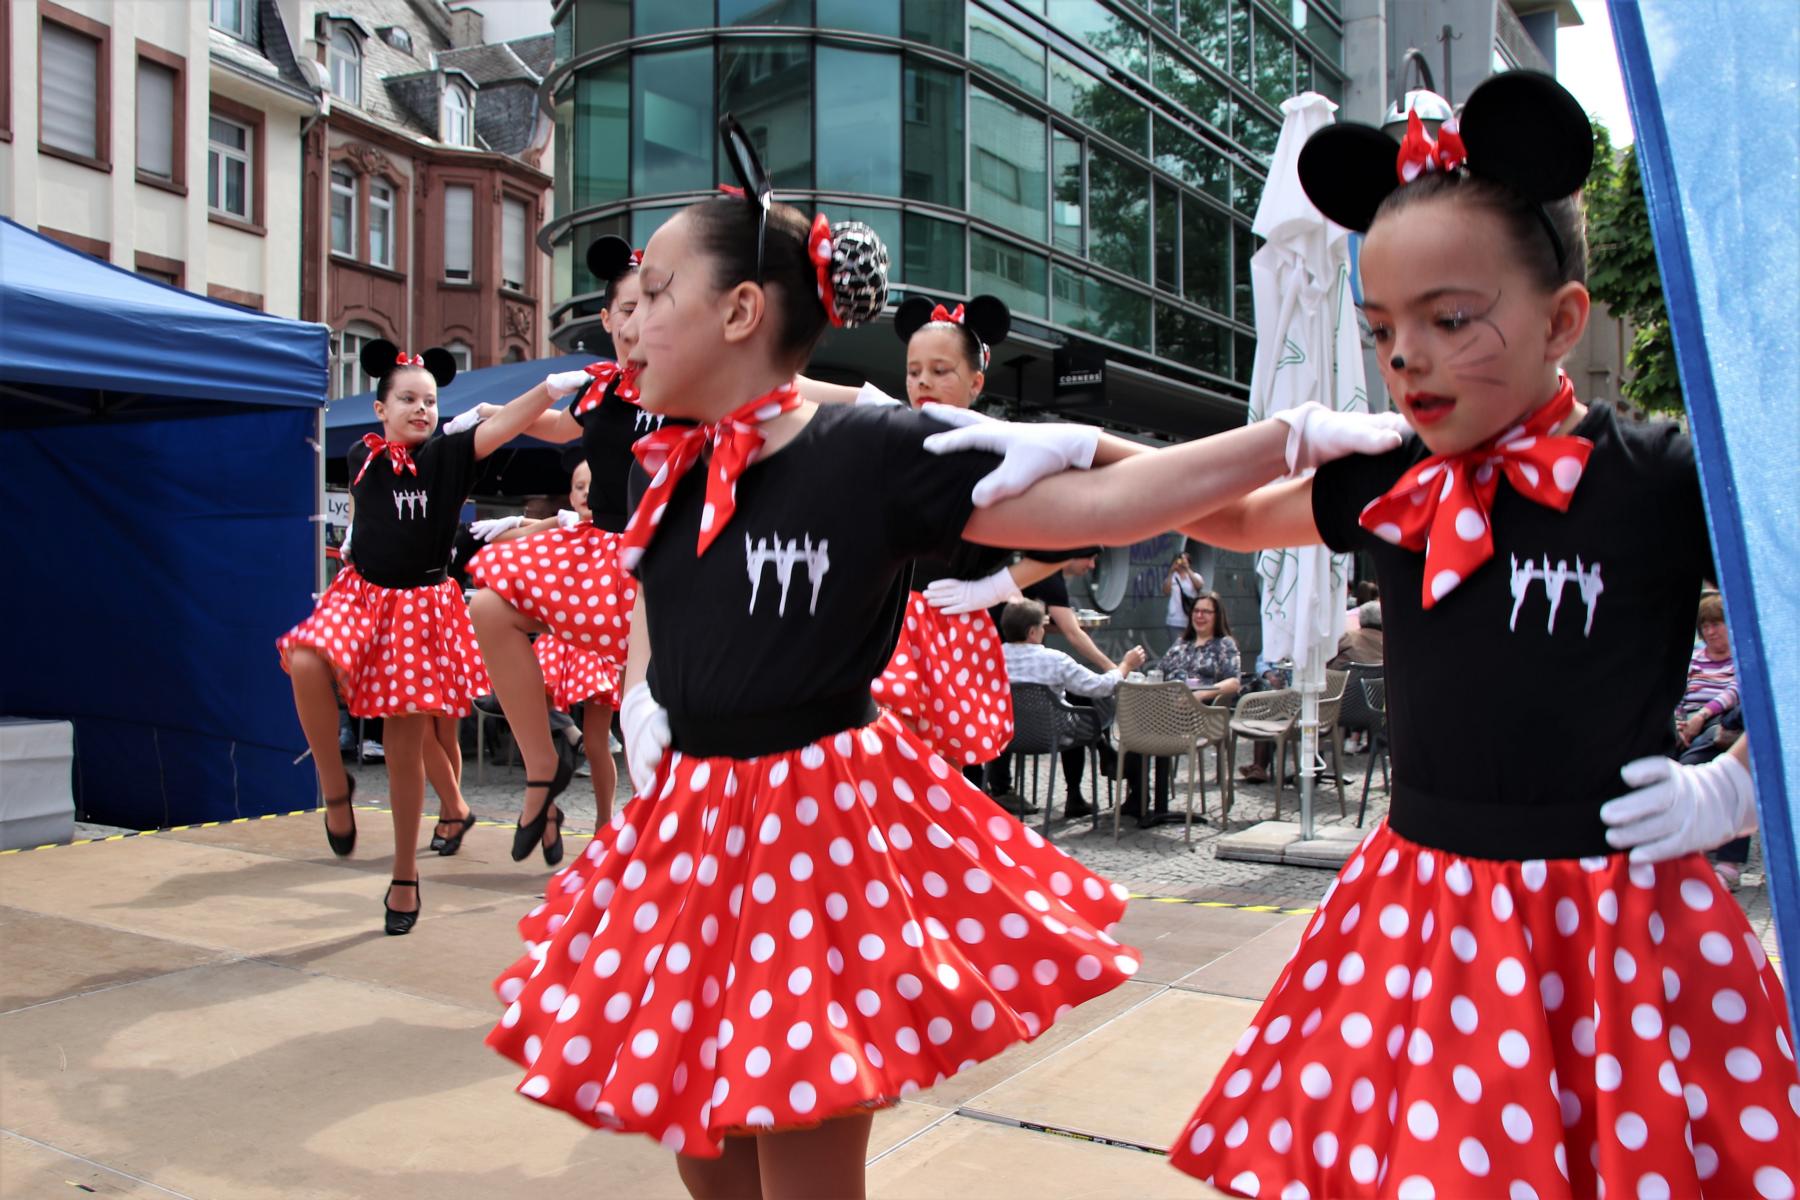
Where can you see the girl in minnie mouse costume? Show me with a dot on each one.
(566, 582)
(391, 632)
(1517, 986)
(806, 914)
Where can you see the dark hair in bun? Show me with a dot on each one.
(384, 361)
(985, 322)
(610, 259)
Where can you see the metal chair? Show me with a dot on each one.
(1272, 716)
(1330, 711)
(1358, 713)
(1045, 723)
(1164, 719)
(1375, 697)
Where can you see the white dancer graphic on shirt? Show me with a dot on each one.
(1555, 579)
(644, 421)
(785, 554)
(410, 504)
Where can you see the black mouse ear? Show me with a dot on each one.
(989, 317)
(912, 314)
(1524, 129)
(1347, 171)
(608, 257)
(744, 162)
(379, 357)
(442, 365)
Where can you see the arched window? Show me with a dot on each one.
(349, 376)
(343, 56)
(457, 131)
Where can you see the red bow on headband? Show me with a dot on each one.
(604, 373)
(409, 360)
(399, 454)
(637, 258)
(732, 189)
(818, 248)
(1420, 155)
(954, 316)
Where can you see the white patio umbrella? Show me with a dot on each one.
(1307, 348)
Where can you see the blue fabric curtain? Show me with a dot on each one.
(1711, 86)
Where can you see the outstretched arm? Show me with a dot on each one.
(1070, 627)
(514, 418)
(1273, 516)
(1028, 571)
(554, 425)
(1139, 497)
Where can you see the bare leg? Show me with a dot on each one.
(812, 1164)
(732, 1176)
(444, 775)
(519, 684)
(596, 727)
(449, 736)
(404, 739)
(315, 699)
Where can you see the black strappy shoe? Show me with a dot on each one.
(447, 846)
(526, 836)
(342, 843)
(401, 922)
(553, 851)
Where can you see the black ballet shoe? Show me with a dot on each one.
(401, 922)
(553, 851)
(447, 846)
(342, 843)
(526, 836)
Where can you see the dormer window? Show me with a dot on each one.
(231, 16)
(343, 58)
(396, 37)
(458, 124)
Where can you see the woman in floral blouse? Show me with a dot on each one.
(1206, 657)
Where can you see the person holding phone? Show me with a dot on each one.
(1181, 585)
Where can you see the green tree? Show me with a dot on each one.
(1623, 275)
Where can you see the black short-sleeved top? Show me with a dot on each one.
(1052, 591)
(405, 524)
(1515, 700)
(795, 603)
(607, 431)
(967, 561)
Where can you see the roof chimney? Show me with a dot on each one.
(465, 28)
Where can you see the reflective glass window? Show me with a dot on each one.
(1008, 170)
(767, 86)
(1119, 215)
(1005, 51)
(858, 124)
(1010, 272)
(672, 129)
(932, 254)
(931, 131)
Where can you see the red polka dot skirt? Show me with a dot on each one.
(767, 943)
(568, 579)
(947, 681)
(572, 674)
(395, 651)
(1457, 1027)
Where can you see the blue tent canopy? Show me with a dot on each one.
(348, 419)
(161, 472)
(1712, 90)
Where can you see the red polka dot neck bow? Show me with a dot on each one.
(603, 374)
(1442, 505)
(671, 451)
(1421, 154)
(399, 455)
(953, 315)
(818, 248)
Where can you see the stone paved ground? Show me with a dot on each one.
(1151, 861)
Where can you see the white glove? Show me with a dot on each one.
(972, 595)
(645, 724)
(1317, 435)
(462, 421)
(486, 531)
(564, 383)
(1679, 809)
(870, 394)
(567, 518)
(1032, 452)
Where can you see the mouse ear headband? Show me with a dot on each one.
(381, 356)
(1520, 129)
(610, 257)
(850, 261)
(985, 318)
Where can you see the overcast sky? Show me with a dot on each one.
(504, 20)
(1588, 66)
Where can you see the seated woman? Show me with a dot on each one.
(1207, 660)
(1704, 718)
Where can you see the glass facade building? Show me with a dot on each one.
(1095, 164)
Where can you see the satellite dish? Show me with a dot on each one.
(1112, 577)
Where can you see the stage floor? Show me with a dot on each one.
(215, 1012)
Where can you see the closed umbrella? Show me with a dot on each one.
(1307, 348)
